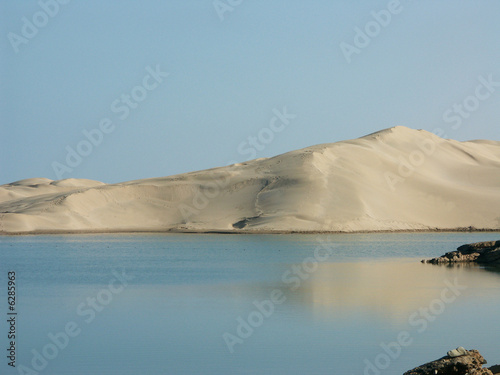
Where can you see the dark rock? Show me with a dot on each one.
(495, 369)
(470, 363)
(479, 252)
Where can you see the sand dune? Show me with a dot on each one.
(395, 179)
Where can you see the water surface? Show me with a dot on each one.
(178, 303)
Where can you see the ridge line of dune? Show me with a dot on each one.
(336, 187)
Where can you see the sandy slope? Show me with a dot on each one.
(395, 179)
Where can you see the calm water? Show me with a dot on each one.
(187, 304)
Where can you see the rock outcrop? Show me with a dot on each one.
(471, 362)
(495, 369)
(479, 252)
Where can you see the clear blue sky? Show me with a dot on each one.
(226, 76)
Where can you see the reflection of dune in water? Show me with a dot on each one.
(393, 290)
(389, 290)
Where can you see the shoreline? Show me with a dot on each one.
(256, 232)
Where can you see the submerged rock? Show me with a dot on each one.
(479, 252)
(469, 363)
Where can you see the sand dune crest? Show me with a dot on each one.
(394, 179)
